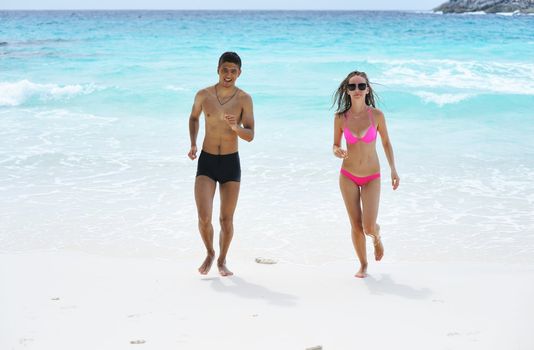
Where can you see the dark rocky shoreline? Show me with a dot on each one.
(488, 6)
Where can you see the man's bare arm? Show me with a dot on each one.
(246, 131)
(194, 124)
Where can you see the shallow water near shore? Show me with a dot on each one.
(95, 105)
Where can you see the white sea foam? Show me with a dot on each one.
(176, 88)
(441, 99)
(17, 93)
(66, 114)
(474, 76)
(469, 76)
(478, 13)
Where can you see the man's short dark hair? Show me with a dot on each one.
(230, 57)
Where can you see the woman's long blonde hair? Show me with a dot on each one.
(342, 98)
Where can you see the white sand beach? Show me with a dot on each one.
(99, 241)
(70, 300)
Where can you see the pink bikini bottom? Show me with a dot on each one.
(360, 181)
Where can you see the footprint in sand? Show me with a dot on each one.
(137, 315)
(69, 307)
(452, 334)
(266, 261)
(25, 341)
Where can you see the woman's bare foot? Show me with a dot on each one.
(223, 270)
(362, 272)
(206, 265)
(377, 243)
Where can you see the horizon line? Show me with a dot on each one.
(220, 10)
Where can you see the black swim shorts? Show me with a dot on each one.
(221, 168)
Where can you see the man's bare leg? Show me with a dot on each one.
(204, 192)
(229, 192)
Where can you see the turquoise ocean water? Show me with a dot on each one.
(94, 109)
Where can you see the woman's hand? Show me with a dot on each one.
(340, 152)
(395, 179)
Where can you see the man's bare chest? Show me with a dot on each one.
(213, 109)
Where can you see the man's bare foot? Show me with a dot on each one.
(223, 270)
(377, 243)
(362, 272)
(206, 265)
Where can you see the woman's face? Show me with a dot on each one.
(355, 85)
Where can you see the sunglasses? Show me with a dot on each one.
(361, 86)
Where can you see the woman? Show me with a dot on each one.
(359, 122)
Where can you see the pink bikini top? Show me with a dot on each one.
(370, 134)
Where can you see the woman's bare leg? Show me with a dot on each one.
(370, 195)
(351, 197)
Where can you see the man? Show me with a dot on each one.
(228, 115)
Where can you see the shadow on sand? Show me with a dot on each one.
(241, 288)
(386, 285)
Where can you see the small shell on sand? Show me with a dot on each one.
(318, 347)
(140, 341)
(266, 261)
